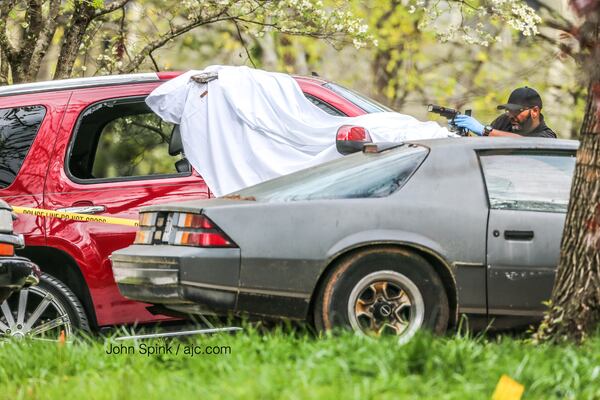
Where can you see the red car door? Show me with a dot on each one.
(111, 158)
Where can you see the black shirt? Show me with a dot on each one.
(502, 123)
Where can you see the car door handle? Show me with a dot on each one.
(518, 235)
(83, 209)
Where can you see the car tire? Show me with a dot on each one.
(382, 289)
(59, 304)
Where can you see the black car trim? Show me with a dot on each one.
(248, 290)
(462, 264)
(520, 313)
(272, 306)
(472, 310)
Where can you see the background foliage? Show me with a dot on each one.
(410, 68)
(407, 69)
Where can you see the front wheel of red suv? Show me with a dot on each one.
(48, 311)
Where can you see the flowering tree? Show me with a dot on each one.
(470, 21)
(121, 35)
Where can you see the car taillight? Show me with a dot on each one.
(351, 138)
(143, 237)
(202, 239)
(148, 219)
(147, 227)
(197, 221)
(7, 249)
(353, 134)
(198, 230)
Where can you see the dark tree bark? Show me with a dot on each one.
(82, 16)
(575, 305)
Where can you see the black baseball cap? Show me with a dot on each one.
(524, 97)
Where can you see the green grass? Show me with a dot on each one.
(296, 365)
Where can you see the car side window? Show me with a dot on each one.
(121, 139)
(529, 181)
(18, 128)
(324, 106)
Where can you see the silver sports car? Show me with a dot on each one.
(392, 239)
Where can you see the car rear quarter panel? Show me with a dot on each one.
(286, 247)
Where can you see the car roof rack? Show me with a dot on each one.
(78, 83)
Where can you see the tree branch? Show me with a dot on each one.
(34, 24)
(175, 32)
(82, 16)
(44, 38)
(156, 68)
(158, 131)
(8, 49)
(3, 69)
(115, 5)
(243, 42)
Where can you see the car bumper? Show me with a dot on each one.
(161, 275)
(198, 281)
(16, 273)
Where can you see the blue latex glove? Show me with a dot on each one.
(465, 121)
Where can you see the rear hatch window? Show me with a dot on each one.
(18, 127)
(362, 175)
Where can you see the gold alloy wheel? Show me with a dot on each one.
(386, 302)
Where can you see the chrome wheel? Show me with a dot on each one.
(386, 302)
(34, 313)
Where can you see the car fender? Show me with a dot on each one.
(386, 236)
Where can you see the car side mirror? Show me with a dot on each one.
(183, 165)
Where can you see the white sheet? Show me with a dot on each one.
(254, 125)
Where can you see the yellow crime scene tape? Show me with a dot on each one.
(38, 212)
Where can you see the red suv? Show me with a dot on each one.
(92, 146)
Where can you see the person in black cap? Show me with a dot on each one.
(522, 117)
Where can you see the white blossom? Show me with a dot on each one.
(514, 13)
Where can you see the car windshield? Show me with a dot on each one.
(365, 103)
(361, 175)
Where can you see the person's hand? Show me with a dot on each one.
(470, 123)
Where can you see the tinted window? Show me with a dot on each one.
(324, 106)
(530, 182)
(18, 127)
(120, 139)
(363, 102)
(360, 175)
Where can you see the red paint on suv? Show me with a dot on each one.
(67, 145)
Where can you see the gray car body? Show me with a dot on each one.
(285, 248)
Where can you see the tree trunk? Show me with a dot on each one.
(575, 305)
(4, 70)
(82, 16)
